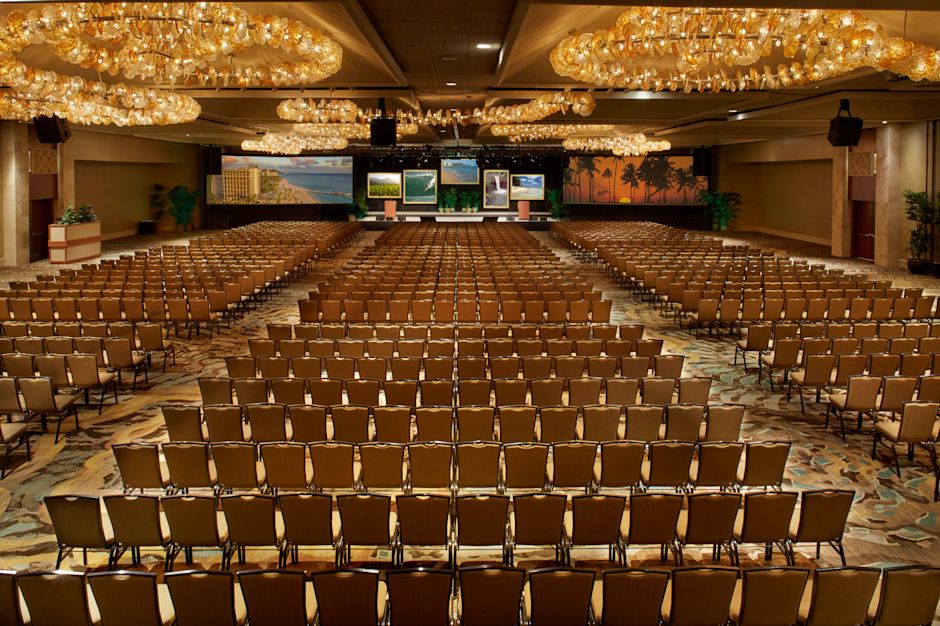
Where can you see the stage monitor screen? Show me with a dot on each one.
(654, 179)
(282, 180)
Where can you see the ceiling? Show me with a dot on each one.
(423, 55)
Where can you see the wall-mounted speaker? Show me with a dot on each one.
(383, 130)
(213, 160)
(701, 161)
(51, 129)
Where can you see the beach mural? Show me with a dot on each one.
(460, 172)
(654, 179)
(495, 189)
(282, 180)
(420, 186)
(384, 184)
(527, 187)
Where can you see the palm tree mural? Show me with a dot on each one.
(685, 181)
(569, 181)
(630, 177)
(646, 174)
(586, 164)
(609, 176)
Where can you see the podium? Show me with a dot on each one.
(391, 206)
(523, 207)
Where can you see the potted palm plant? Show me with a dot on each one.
(556, 203)
(924, 211)
(721, 206)
(359, 207)
(76, 236)
(182, 204)
(449, 198)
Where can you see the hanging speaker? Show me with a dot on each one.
(845, 131)
(701, 162)
(213, 160)
(382, 131)
(51, 129)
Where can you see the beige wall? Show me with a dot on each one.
(115, 173)
(785, 186)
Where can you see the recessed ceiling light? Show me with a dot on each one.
(884, 121)
(449, 57)
(485, 46)
(732, 110)
(451, 83)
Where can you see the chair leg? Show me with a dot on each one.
(6, 459)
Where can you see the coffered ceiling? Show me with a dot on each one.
(442, 54)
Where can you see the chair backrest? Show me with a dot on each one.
(633, 597)
(423, 519)
(701, 595)
(139, 465)
(596, 519)
(126, 598)
(188, 464)
(55, 598)
(573, 463)
(490, 594)
(250, 519)
(771, 595)
(9, 600)
(202, 597)
(183, 422)
(842, 595)
(481, 519)
(38, 394)
(274, 597)
(77, 521)
(862, 393)
(717, 463)
(430, 464)
(669, 463)
(560, 596)
(332, 464)
(764, 463)
(135, 520)
(909, 595)
(192, 520)
(308, 519)
(918, 420)
(84, 369)
(653, 518)
(419, 597)
(365, 519)
(539, 518)
(767, 516)
(347, 597)
(711, 517)
(823, 514)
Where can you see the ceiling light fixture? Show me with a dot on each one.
(174, 42)
(698, 45)
(535, 132)
(485, 46)
(620, 145)
(290, 143)
(451, 83)
(732, 111)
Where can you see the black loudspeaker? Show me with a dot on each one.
(51, 129)
(383, 130)
(213, 157)
(845, 131)
(701, 162)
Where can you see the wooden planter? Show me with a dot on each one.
(70, 243)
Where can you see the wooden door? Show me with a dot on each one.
(863, 230)
(40, 216)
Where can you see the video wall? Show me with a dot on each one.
(654, 179)
(282, 180)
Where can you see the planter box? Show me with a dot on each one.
(70, 243)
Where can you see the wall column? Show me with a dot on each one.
(841, 207)
(14, 196)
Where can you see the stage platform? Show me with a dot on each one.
(377, 217)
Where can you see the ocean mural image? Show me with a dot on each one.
(282, 180)
(527, 187)
(460, 172)
(420, 186)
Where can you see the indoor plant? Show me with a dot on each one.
(556, 203)
(158, 204)
(359, 207)
(182, 205)
(470, 200)
(84, 213)
(448, 200)
(721, 206)
(921, 209)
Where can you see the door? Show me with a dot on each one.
(863, 229)
(40, 216)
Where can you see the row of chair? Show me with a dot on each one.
(540, 392)
(443, 465)
(401, 424)
(604, 332)
(484, 595)
(234, 523)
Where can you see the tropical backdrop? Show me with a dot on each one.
(654, 179)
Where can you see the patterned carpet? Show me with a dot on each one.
(893, 521)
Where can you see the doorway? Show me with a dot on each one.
(40, 216)
(863, 229)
